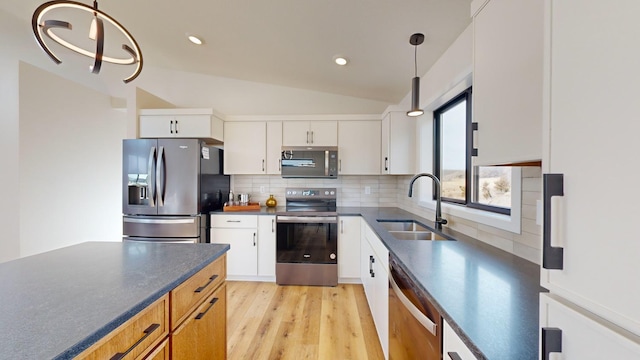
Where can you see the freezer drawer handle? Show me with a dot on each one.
(552, 257)
(201, 288)
(414, 311)
(551, 341)
(147, 332)
(202, 314)
(454, 355)
(160, 221)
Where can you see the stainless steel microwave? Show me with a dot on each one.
(309, 162)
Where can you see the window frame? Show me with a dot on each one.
(471, 173)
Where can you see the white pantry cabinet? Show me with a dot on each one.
(181, 123)
(359, 147)
(267, 246)
(374, 266)
(309, 133)
(274, 147)
(580, 335)
(398, 144)
(349, 248)
(453, 345)
(245, 147)
(591, 138)
(507, 80)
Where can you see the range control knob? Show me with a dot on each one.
(333, 193)
(326, 193)
(332, 256)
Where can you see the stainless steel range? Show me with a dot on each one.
(307, 238)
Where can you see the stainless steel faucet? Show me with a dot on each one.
(439, 220)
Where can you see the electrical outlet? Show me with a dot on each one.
(367, 190)
(262, 189)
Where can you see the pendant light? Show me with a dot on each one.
(42, 26)
(415, 40)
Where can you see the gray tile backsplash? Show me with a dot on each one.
(385, 190)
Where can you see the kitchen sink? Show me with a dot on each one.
(409, 230)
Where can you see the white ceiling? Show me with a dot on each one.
(291, 42)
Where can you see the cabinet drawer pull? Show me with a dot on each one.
(552, 185)
(201, 288)
(454, 355)
(233, 221)
(147, 332)
(211, 303)
(551, 341)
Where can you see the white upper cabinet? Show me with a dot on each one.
(398, 144)
(181, 123)
(245, 147)
(507, 80)
(274, 147)
(359, 147)
(310, 133)
(591, 132)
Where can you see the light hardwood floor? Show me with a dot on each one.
(268, 321)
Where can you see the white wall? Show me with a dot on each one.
(70, 144)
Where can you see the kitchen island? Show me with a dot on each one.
(57, 304)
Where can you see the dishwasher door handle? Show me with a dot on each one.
(413, 310)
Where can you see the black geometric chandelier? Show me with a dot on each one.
(415, 40)
(41, 25)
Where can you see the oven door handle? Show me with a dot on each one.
(307, 219)
(413, 310)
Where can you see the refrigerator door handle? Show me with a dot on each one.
(160, 176)
(150, 177)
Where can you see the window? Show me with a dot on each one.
(481, 187)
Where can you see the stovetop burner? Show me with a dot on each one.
(311, 200)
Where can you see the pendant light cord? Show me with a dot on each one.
(415, 59)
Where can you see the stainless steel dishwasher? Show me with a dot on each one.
(415, 326)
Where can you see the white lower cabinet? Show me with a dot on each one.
(581, 334)
(349, 249)
(453, 348)
(374, 266)
(267, 246)
(252, 238)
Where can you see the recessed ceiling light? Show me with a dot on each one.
(341, 60)
(194, 39)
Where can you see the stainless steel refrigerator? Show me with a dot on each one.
(168, 188)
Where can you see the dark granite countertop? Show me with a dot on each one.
(489, 296)
(56, 304)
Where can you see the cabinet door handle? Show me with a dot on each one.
(279, 164)
(386, 164)
(307, 137)
(147, 332)
(211, 279)
(211, 303)
(371, 261)
(340, 165)
(273, 225)
(552, 257)
(551, 341)
(262, 164)
(176, 126)
(454, 355)
(341, 226)
(171, 126)
(312, 137)
(254, 239)
(474, 150)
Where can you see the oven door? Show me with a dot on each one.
(307, 239)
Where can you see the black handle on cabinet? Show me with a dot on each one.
(262, 164)
(211, 303)
(176, 126)
(371, 261)
(552, 257)
(454, 355)
(254, 239)
(551, 341)
(201, 288)
(386, 164)
(474, 151)
(147, 332)
(171, 127)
